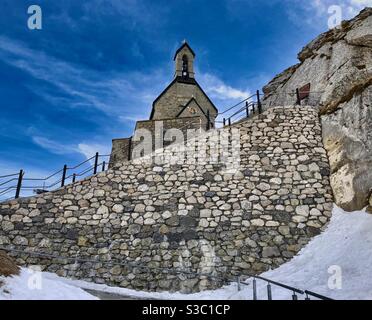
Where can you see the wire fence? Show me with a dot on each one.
(13, 186)
(240, 279)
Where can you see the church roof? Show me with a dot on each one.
(191, 81)
(185, 44)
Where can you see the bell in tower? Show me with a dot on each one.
(185, 67)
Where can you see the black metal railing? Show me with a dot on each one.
(255, 104)
(242, 110)
(296, 292)
(19, 182)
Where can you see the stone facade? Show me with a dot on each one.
(172, 101)
(120, 151)
(140, 224)
(142, 143)
(160, 130)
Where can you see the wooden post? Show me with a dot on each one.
(63, 175)
(73, 177)
(103, 165)
(19, 184)
(224, 121)
(95, 163)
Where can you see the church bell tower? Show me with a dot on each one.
(184, 62)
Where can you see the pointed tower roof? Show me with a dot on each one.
(185, 44)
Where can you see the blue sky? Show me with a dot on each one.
(96, 66)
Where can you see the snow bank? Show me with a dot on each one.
(345, 246)
(36, 286)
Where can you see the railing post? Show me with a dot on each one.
(95, 163)
(63, 175)
(254, 289)
(224, 121)
(247, 109)
(238, 281)
(103, 165)
(253, 109)
(269, 295)
(229, 122)
(294, 296)
(73, 177)
(298, 101)
(19, 184)
(130, 149)
(259, 102)
(208, 121)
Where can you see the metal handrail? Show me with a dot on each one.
(80, 164)
(7, 190)
(234, 106)
(281, 285)
(9, 175)
(14, 179)
(43, 179)
(45, 187)
(317, 295)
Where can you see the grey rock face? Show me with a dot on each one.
(338, 65)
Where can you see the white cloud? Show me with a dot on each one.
(355, 6)
(122, 96)
(219, 90)
(365, 3)
(314, 13)
(88, 150)
(76, 87)
(52, 146)
(134, 118)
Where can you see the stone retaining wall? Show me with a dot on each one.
(194, 217)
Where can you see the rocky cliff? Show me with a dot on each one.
(337, 64)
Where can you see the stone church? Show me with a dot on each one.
(182, 105)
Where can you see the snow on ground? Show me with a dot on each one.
(345, 246)
(35, 286)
